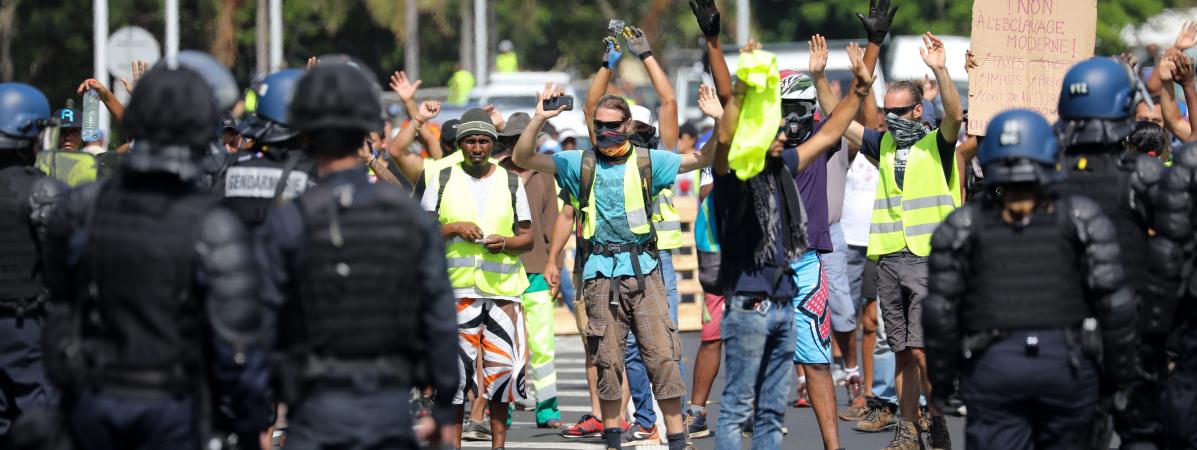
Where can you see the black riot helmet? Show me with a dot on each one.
(170, 117)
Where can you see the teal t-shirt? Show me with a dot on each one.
(612, 224)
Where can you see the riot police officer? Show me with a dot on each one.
(359, 274)
(275, 169)
(26, 198)
(1097, 105)
(1173, 244)
(1021, 288)
(153, 309)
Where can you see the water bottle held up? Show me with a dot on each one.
(91, 116)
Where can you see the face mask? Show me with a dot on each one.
(607, 137)
(799, 121)
(905, 132)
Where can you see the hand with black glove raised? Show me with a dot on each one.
(637, 42)
(612, 52)
(878, 21)
(707, 15)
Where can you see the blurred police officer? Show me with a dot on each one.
(1173, 243)
(1097, 113)
(26, 197)
(275, 168)
(358, 272)
(153, 311)
(1025, 291)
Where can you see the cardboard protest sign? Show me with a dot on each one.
(1023, 48)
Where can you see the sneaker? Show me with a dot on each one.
(855, 410)
(879, 418)
(475, 431)
(640, 436)
(696, 425)
(905, 438)
(854, 384)
(802, 401)
(938, 437)
(587, 427)
(838, 374)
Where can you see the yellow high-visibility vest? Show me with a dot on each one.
(470, 264)
(667, 221)
(905, 217)
(633, 200)
(507, 62)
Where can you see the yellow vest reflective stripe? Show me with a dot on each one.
(470, 265)
(633, 200)
(667, 221)
(905, 217)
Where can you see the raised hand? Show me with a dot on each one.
(856, 59)
(707, 15)
(930, 88)
(1187, 37)
(637, 42)
(402, 86)
(751, 46)
(1130, 60)
(708, 102)
(312, 61)
(550, 91)
(1183, 73)
(496, 116)
(970, 61)
(1165, 68)
(818, 54)
(612, 52)
(934, 54)
(877, 23)
(428, 110)
(92, 83)
(139, 69)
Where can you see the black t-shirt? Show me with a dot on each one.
(870, 146)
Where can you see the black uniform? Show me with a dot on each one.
(154, 315)
(1174, 246)
(367, 312)
(26, 199)
(253, 184)
(1010, 314)
(1125, 186)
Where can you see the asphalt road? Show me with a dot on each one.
(803, 429)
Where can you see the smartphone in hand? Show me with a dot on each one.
(556, 103)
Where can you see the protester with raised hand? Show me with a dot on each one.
(761, 227)
(617, 182)
(1176, 67)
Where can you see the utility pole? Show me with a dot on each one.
(481, 65)
(411, 48)
(741, 23)
(276, 34)
(172, 33)
(99, 46)
(262, 46)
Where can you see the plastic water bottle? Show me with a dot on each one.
(91, 115)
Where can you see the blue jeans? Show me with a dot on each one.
(642, 392)
(884, 364)
(758, 345)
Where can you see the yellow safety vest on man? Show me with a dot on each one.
(633, 201)
(905, 217)
(470, 264)
(667, 222)
(507, 62)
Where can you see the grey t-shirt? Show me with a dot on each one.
(837, 178)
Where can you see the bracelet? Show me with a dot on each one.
(646, 55)
(862, 91)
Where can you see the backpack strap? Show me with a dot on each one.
(443, 181)
(645, 165)
(513, 185)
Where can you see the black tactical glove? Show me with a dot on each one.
(707, 15)
(878, 21)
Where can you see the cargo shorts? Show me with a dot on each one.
(644, 312)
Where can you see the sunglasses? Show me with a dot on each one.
(600, 124)
(900, 110)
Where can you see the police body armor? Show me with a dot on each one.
(1106, 178)
(19, 268)
(139, 331)
(254, 185)
(1026, 278)
(358, 300)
